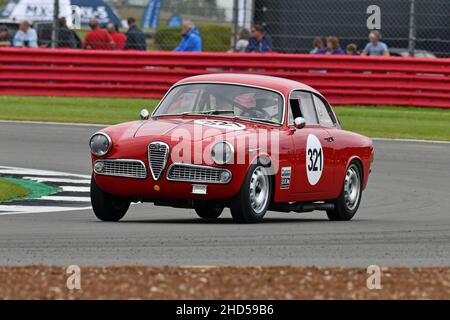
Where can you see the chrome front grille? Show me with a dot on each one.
(196, 173)
(128, 168)
(158, 152)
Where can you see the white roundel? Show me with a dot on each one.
(314, 159)
(227, 125)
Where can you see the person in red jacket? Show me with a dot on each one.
(97, 38)
(119, 38)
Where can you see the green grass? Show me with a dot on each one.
(396, 122)
(373, 121)
(10, 191)
(76, 110)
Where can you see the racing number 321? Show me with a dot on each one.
(315, 160)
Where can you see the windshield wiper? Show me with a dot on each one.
(266, 121)
(187, 113)
(175, 114)
(257, 120)
(213, 112)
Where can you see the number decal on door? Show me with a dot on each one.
(314, 159)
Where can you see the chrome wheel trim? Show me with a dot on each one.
(259, 190)
(352, 187)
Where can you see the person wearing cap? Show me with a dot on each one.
(375, 47)
(5, 38)
(26, 37)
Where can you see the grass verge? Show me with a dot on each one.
(75, 110)
(10, 190)
(373, 121)
(24, 189)
(397, 122)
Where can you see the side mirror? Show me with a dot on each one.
(145, 114)
(299, 123)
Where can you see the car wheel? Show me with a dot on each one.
(107, 207)
(251, 203)
(208, 211)
(348, 202)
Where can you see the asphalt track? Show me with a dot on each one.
(404, 219)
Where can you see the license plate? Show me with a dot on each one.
(199, 189)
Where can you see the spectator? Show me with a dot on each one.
(118, 37)
(5, 38)
(242, 43)
(375, 47)
(351, 49)
(97, 38)
(333, 46)
(191, 40)
(260, 40)
(135, 37)
(66, 37)
(26, 37)
(318, 45)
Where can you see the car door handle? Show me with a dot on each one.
(329, 139)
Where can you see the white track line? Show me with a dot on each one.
(25, 171)
(35, 209)
(75, 189)
(57, 123)
(39, 179)
(410, 140)
(61, 198)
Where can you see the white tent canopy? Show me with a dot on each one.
(35, 10)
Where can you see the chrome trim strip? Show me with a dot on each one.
(188, 165)
(166, 157)
(285, 105)
(121, 160)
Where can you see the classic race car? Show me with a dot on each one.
(248, 142)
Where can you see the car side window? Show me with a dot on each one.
(324, 114)
(307, 107)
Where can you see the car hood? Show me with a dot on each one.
(194, 128)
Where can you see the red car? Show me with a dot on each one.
(248, 142)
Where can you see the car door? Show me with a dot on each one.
(329, 122)
(313, 167)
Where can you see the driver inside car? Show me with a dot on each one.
(258, 106)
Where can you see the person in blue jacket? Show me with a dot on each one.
(191, 41)
(260, 40)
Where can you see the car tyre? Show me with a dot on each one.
(347, 204)
(106, 206)
(208, 211)
(251, 203)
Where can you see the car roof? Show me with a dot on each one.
(285, 86)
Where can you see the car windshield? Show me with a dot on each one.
(223, 99)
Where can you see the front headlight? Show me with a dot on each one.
(222, 152)
(100, 144)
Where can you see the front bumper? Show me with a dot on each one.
(176, 182)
